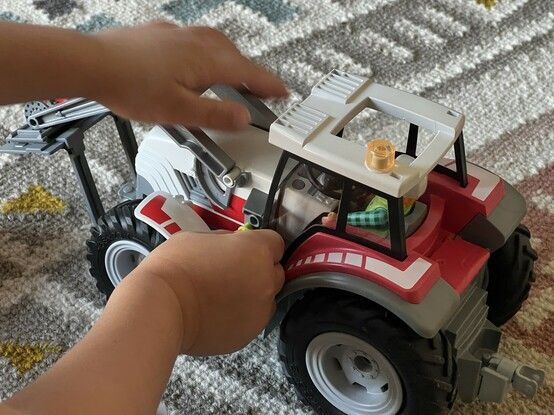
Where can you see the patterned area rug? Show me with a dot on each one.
(496, 66)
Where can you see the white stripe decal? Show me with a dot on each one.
(335, 257)
(487, 180)
(167, 222)
(353, 259)
(405, 279)
(218, 214)
(319, 258)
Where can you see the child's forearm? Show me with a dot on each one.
(40, 62)
(122, 365)
(179, 300)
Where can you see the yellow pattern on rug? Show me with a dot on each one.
(25, 356)
(487, 3)
(35, 199)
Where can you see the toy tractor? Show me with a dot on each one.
(400, 265)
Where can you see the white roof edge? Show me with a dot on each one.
(415, 109)
(308, 129)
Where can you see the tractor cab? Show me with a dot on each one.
(371, 196)
(311, 199)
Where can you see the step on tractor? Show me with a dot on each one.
(401, 264)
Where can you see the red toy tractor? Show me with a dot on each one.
(400, 265)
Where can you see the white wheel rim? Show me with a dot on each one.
(122, 257)
(353, 375)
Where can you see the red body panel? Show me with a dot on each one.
(154, 210)
(434, 244)
(459, 262)
(461, 206)
(223, 218)
(450, 208)
(327, 253)
(430, 233)
(173, 228)
(235, 209)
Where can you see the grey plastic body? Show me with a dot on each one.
(425, 318)
(482, 372)
(260, 115)
(493, 231)
(71, 110)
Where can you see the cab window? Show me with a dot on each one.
(382, 219)
(305, 195)
(367, 215)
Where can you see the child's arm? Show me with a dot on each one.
(198, 294)
(150, 73)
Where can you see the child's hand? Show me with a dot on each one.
(152, 73)
(155, 73)
(225, 283)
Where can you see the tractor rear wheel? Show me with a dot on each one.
(347, 355)
(118, 243)
(510, 276)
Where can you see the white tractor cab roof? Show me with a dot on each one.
(309, 130)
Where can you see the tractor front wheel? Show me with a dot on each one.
(346, 355)
(118, 243)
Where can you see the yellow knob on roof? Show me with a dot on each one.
(380, 155)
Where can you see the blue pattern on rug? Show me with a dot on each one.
(276, 11)
(98, 22)
(10, 17)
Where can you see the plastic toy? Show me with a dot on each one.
(396, 312)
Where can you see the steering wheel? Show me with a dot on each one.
(329, 184)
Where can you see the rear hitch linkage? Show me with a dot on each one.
(500, 375)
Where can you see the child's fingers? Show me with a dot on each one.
(260, 81)
(211, 113)
(279, 278)
(272, 240)
(266, 238)
(231, 68)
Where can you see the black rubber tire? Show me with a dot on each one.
(426, 367)
(117, 224)
(510, 276)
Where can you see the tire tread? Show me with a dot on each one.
(326, 306)
(117, 223)
(511, 276)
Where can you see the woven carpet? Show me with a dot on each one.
(496, 66)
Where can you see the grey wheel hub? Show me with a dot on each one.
(353, 375)
(122, 257)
